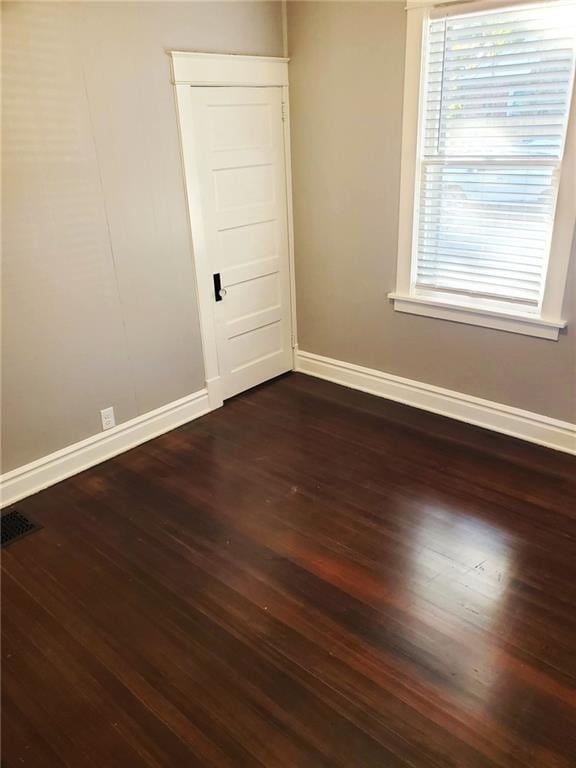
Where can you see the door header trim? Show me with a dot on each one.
(192, 68)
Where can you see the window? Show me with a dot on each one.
(485, 237)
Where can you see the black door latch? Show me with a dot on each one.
(217, 286)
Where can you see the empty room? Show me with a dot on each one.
(288, 384)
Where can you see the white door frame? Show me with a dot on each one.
(213, 69)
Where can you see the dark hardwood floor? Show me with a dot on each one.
(308, 577)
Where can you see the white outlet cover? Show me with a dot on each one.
(108, 418)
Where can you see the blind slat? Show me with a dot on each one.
(436, 50)
(472, 230)
(494, 99)
(519, 81)
(477, 65)
(469, 241)
(497, 281)
(484, 291)
(450, 219)
(491, 265)
(461, 113)
(478, 272)
(458, 246)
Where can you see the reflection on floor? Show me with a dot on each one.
(309, 576)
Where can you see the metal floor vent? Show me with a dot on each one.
(14, 525)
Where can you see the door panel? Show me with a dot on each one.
(248, 244)
(239, 149)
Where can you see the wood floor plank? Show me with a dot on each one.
(307, 577)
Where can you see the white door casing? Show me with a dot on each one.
(236, 157)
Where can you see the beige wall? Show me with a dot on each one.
(346, 77)
(98, 285)
(99, 306)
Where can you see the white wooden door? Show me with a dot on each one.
(241, 176)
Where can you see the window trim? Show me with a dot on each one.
(548, 323)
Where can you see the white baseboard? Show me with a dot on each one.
(533, 427)
(51, 469)
(39, 474)
(215, 395)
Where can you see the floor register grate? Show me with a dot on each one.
(14, 525)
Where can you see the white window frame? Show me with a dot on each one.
(549, 322)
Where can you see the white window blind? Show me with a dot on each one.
(495, 105)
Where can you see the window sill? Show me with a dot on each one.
(528, 325)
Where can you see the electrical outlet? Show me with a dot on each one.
(108, 418)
